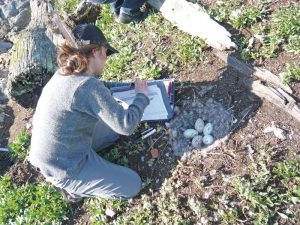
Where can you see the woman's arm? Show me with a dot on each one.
(95, 99)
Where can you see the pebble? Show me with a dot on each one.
(5, 45)
(177, 110)
(203, 220)
(174, 133)
(212, 172)
(109, 212)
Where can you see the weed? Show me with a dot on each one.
(198, 207)
(169, 209)
(269, 193)
(170, 48)
(116, 156)
(147, 69)
(30, 204)
(292, 72)
(65, 5)
(248, 16)
(230, 216)
(142, 215)
(286, 22)
(239, 15)
(284, 29)
(20, 145)
(293, 44)
(98, 208)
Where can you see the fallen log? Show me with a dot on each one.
(33, 57)
(245, 69)
(283, 101)
(190, 18)
(278, 95)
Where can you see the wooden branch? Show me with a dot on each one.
(260, 73)
(278, 96)
(288, 104)
(191, 18)
(270, 77)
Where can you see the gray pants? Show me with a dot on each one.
(99, 177)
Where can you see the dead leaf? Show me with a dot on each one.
(154, 153)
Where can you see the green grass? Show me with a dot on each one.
(67, 6)
(30, 204)
(141, 215)
(147, 49)
(115, 155)
(280, 29)
(20, 145)
(268, 193)
(98, 207)
(292, 73)
(239, 15)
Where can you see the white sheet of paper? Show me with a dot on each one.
(156, 110)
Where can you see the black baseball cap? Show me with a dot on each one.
(89, 34)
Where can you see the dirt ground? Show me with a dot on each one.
(229, 157)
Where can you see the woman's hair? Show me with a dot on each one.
(72, 60)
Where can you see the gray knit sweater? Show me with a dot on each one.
(65, 117)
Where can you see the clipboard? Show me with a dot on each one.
(161, 95)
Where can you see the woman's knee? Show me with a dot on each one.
(132, 185)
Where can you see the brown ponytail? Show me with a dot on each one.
(72, 60)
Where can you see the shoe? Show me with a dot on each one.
(126, 18)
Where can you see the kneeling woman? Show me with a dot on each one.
(76, 116)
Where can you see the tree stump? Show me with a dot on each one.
(33, 60)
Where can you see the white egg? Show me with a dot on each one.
(208, 139)
(208, 128)
(190, 133)
(199, 125)
(197, 141)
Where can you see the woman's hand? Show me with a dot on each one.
(141, 87)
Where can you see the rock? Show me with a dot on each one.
(5, 46)
(190, 133)
(9, 10)
(87, 11)
(22, 19)
(208, 139)
(176, 110)
(1, 119)
(278, 132)
(109, 212)
(197, 141)
(212, 172)
(4, 29)
(199, 125)
(174, 133)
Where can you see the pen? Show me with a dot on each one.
(146, 131)
(148, 134)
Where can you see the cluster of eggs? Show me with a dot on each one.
(194, 134)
